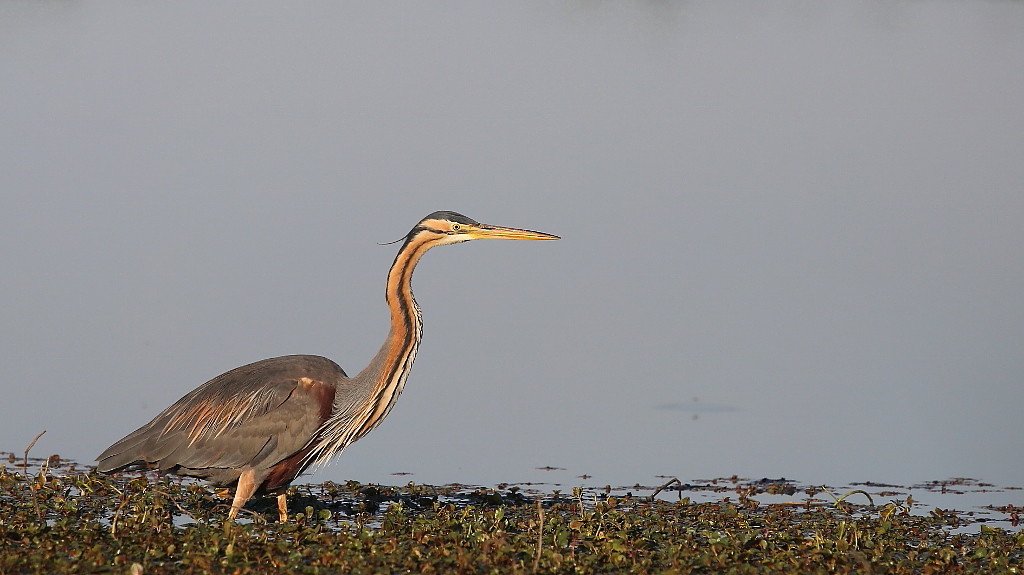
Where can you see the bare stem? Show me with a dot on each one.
(31, 444)
(540, 534)
(665, 486)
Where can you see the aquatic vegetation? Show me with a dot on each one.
(59, 518)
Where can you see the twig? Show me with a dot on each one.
(840, 499)
(540, 534)
(665, 486)
(178, 505)
(117, 512)
(32, 487)
(31, 444)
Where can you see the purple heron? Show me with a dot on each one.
(259, 426)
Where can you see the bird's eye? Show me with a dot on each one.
(456, 227)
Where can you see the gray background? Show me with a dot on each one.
(792, 231)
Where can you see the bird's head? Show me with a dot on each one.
(441, 228)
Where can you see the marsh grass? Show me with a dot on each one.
(60, 518)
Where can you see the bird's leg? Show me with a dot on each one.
(246, 487)
(282, 506)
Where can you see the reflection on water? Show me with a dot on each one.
(696, 406)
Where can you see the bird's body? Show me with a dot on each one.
(259, 426)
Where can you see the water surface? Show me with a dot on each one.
(790, 246)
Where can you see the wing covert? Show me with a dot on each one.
(246, 416)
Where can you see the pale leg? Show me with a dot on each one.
(246, 487)
(282, 506)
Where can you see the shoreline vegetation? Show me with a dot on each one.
(60, 517)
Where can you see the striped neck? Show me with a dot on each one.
(368, 397)
(390, 367)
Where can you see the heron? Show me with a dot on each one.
(258, 427)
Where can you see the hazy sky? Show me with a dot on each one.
(791, 231)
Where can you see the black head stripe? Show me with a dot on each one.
(421, 228)
(452, 217)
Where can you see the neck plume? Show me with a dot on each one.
(372, 393)
(390, 367)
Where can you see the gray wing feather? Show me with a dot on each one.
(250, 416)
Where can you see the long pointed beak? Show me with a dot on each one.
(489, 232)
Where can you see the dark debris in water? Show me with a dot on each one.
(59, 517)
